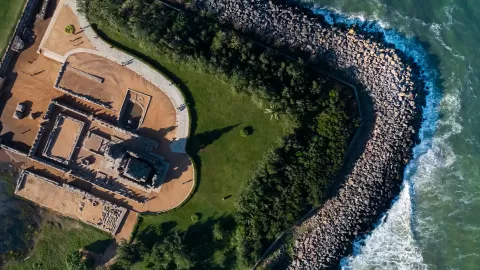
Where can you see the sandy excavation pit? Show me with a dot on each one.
(70, 201)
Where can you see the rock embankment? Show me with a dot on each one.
(390, 81)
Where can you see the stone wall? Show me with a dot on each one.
(85, 74)
(69, 108)
(148, 142)
(52, 138)
(23, 176)
(13, 150)
(22, 24)
(49, 164)
(388, 80)
(77, 95)
(128, 182)
(43, 11)
(38, 138)
(112, 187)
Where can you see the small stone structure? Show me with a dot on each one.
(18, 44)
(57, 128)
(141, 99)
(43, 12)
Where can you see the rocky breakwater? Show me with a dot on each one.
(386, 77)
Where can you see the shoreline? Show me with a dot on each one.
(386, 78)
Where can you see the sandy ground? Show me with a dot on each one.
(59, 41)
(126, 229)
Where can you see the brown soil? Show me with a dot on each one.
(126, 229)
(59, 42)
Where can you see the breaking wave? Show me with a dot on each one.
(392, 244)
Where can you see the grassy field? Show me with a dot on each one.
(228, 160)
(56, 239)
(10, 11)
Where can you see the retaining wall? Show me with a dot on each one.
(23, 23)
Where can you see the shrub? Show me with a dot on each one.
(75, 261)
(69, 29)
(170, 253)
(219, 258)
(195, 217)
(218, 232)
(246, 131)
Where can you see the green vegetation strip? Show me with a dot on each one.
(10, 11)
(57, 239)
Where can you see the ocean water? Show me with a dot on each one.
(434, 223)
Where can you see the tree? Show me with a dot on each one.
(218, 233)
(130, 252)
(169, 254)
(69, 29)
(195, 217)
(75, 261)
(219, 258)
(274, 111)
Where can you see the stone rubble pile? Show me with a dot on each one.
(112, 215)
(391, 82)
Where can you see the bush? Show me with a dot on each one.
(246, 131)
(75, 261)
(69, 29)
(219, 258)
(195, 217)
(218, 232)
(170, 253)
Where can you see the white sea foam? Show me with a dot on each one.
(392, 244)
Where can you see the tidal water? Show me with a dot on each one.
(435, 221)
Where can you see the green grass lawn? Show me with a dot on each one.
(56, 239)
(230, 159)
(10, 11)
